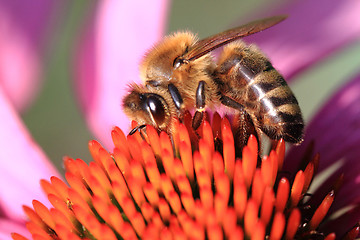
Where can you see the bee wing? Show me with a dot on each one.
(208, 44)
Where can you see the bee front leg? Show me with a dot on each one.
(138, 128)
(200, 105)
(175, 95)
(177, 99)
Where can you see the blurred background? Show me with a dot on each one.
(55, 120)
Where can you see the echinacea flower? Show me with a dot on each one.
(110, 99)
(179, 186)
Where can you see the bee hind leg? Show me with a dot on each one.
(243, 124)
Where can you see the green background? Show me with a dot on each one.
(55, 120)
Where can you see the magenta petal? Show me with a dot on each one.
(352, 217)
(22, 164)
(23, 29)
(109, 55)
(313, 30)
(336, 132)
(335, 128)
(7, 227)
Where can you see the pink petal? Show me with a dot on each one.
(22, 164)
(7, 227)
(108, 59)
(336, 132)
(313, 30)
(23, 29)
(335, 128)
(351, 218)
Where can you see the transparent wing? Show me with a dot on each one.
(208, 44)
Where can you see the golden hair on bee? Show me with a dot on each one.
(158, 70)
(158, 61)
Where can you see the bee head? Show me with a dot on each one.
(147, 107)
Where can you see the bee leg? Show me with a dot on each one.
(244, 126)
(229, 102)
(138, 128)
(177, 99)
(200, 105)
(175, 95)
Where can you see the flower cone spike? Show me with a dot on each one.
(186, 185)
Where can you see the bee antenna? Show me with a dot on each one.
(136, 129)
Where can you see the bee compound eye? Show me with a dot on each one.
(156, 108)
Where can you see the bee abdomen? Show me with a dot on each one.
(247, 76)
(240, 66)
(291, 131)
(278, 112)
(280, 117)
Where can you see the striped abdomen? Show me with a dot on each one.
(245, 75)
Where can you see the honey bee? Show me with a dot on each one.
(179, 73)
